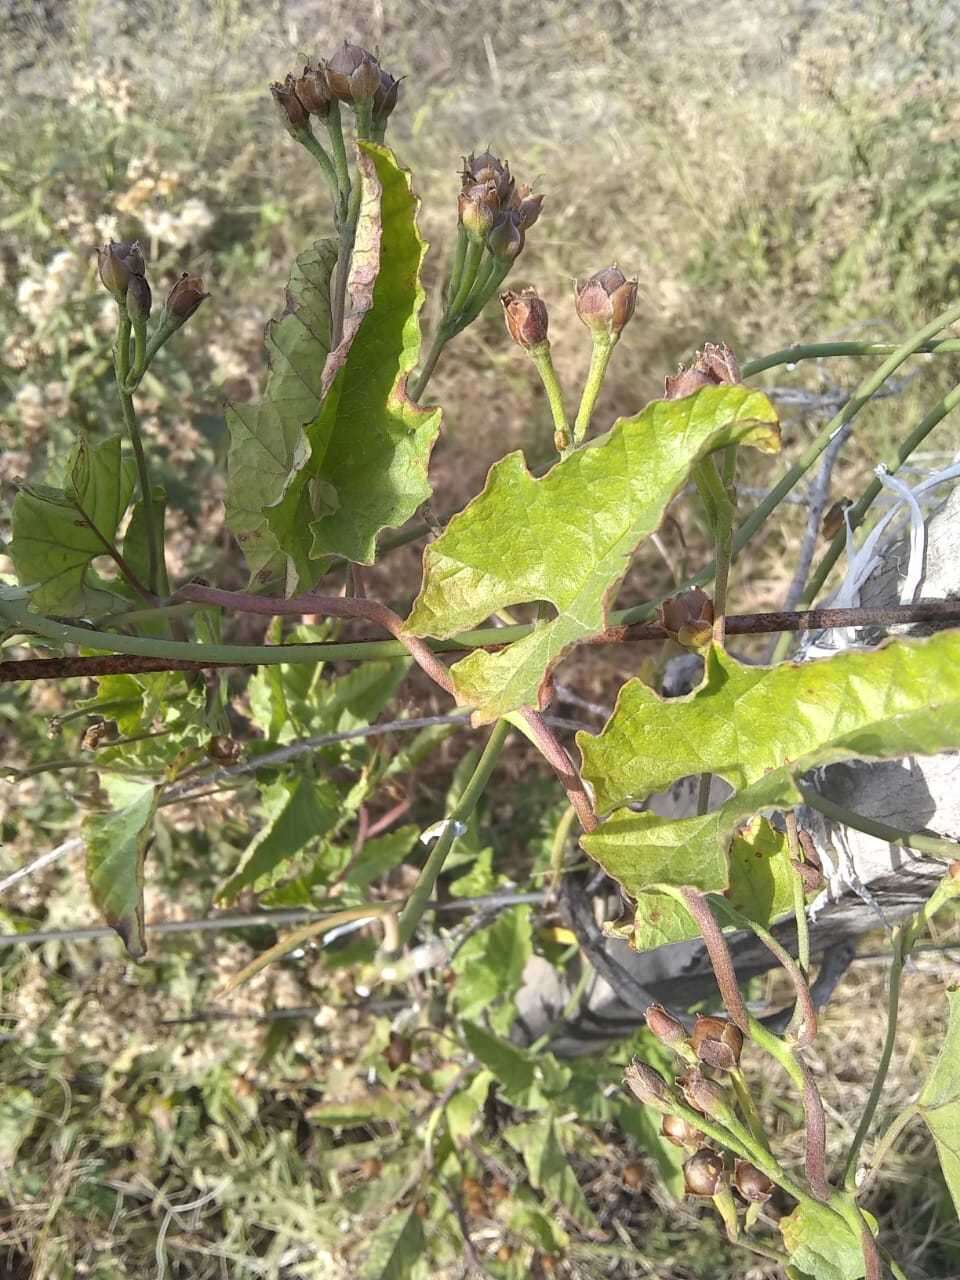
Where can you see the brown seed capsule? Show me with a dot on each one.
(139, 299)
(313, 91)
(833, 521)
(117, 262)
(810, 876)
(506, 238)
(705, 1096)
(397, 1051)
(665, 1026)
(353, 74)
(184, 298)
(527, 205)
(714, 366)
(676, 1130)
(526, 318)
(292, 111)
(753, 1185)
(717, 1042)
(478, 208)
(633, 1175)
(953, 870)
(606, 301)
(95, 733)
(386, 97)
(486, 167)
(703, 1173)
(647, 1085)
(687, 618)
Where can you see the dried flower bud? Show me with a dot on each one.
(397, 1051)
(505, 240)
(811, 877)
(478, 207)
(705, 1096)
(753, 1185)
(714, 366)
(688, 618)
(606, 301)
(386, 97)
(834, 521)
(184, 298)
(527, 205)
(633, 1176)
(292, 111)
(139, 299)
(95, 733)
(353, 74)
(223, 748)
(677, 1130)
(647, 1085)
(526, 316)
(486, 167)
(953, 870)
(117, 262)
(704, 1174)
(313, 91)
(665, 1026)
(717, 1042)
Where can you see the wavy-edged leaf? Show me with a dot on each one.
(939, 1102)
(363, 464)
(265, 437)
(58, 533)
(567, 538)
(116, 850)
(757, 728)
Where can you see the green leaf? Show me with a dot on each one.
(821, 1245)
(18, 1112)
(116, 850)
(548, 1168)
(363, 464)
(297, 811)
(265, 437)
(489, 968)
(939, 1103)
(567, 538)
(757, 728)
(382, 854)
(58, 533)
(357, 1111)
(513, 1067)
(136, 546)
(395, 1247)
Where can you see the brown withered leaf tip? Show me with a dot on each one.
(714, 366)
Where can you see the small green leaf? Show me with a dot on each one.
(548, 1168)
(395, 1247)
(116, 850)
(297, 811)
(382, 854)
(939, 1103)
(513, 1068)
(568, 538)
(821, 1245)
(356, 1111)
(265, 437)
(489, 968)
(362, 464)
(58, 533)
(757, 728)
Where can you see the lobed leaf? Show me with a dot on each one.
(567, 538)
(362, 462)
(758, 728)
(116, 850)
(58, 533)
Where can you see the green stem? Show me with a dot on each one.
(603, 346)
(459, 258)
(441, 337)
(887, 1141)
(540, 355)
(471, 264)
(491, 276)
(461, 811)
(122, 370)
(931, 846)
(817, 350)
(858, 511)
(341, 175)
(749, 1107)
(558, 846)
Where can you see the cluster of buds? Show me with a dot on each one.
(353, 76)
(714, 366)
(606, 302)
(123, 273)
(492, 208)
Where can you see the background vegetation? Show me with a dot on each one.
(772, 172)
